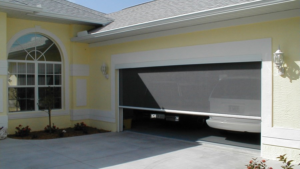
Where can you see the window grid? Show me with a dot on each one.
(35, 86)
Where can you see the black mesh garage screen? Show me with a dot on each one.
(230, 88)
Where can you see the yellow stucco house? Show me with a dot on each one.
(86, 56)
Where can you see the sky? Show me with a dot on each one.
(108, 6)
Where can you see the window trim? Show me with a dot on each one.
(65, 75)
(36, 86)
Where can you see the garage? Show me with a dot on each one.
(217, 102)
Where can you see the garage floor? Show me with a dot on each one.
(194, 134)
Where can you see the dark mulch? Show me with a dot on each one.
(70, 132)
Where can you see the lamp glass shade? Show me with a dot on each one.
(278, 57)
(104, 69)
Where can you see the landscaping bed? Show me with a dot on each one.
(69, 132)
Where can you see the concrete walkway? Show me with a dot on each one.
(120, 151)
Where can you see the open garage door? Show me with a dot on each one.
(227, 95)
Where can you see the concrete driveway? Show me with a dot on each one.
(120, 150)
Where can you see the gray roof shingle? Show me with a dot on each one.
(63, 7)
(161, 9)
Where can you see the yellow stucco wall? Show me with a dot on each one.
(286, 90)
(73, 94)
(272, 152)
(3, 31)
(99, 89)
(80, 53)
(40, 123)
(103, 125)
(283, 32)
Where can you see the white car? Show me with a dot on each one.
(242, 99)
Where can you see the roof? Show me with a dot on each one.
(62, 7)
(161, 9)
(141, 20)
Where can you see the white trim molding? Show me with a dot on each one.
(81, 92)
(1, 97)
(106, 116)
(64, 54)
(29, 115)
(80, 114)
(79, 70)
(4, 121)
(75, 114)
(3, 67)
(282, 142)
(92, 114)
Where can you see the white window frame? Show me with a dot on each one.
(65, 74)
(36, 86)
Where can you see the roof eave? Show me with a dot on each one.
(181, 18)
(25, 8)
(102, 21)
(39, 12)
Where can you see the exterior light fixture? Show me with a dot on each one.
(104, 70)
(278, 60)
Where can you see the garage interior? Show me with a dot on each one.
(145, 94)
(142, 123)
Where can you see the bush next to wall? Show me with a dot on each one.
(255, 164)
(22, 131)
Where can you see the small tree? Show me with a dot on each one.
(13, 95)
(47, 103)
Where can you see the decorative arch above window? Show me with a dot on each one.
(34, 47)
(34, 63)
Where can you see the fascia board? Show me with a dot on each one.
(185, 17)
(19, 7)
(104, 21)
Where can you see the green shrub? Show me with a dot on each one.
(80, 126)
(255, 164)
(51, 129)
(22, 131)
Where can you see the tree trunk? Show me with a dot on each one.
(50, 127)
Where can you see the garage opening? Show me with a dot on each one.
(218, 103)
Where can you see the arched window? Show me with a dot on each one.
(34, 63)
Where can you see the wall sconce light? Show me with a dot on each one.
(104, 70)
(278, 60)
